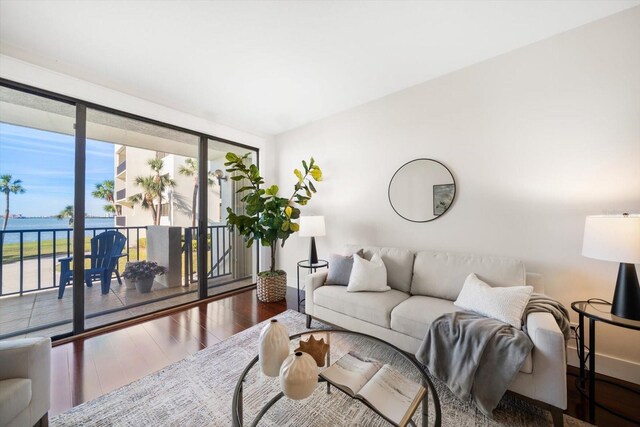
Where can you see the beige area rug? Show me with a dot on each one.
(198, 391)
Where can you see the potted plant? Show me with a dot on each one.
(143, 273)
(269, 219)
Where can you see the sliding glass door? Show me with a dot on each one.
(37, 151)
(230, 264)
(134, 191)
(144, 178)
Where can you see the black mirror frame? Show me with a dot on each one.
(455, 190)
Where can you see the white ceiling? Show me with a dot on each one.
(267, 67)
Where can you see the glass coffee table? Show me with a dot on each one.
(258, 399)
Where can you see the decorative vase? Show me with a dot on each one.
(272, 288)
(144, 285)
(274, 348)
(298, 376)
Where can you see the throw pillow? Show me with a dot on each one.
(501, 303)
(340, 268)
(368, 275)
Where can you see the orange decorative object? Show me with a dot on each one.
(315, 348)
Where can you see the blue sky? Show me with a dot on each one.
(44, 162)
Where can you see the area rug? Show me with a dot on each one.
(198, 391)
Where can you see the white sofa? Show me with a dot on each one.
(423, 287)
(25, 378)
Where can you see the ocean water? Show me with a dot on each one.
(48, 224)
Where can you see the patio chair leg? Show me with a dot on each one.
(64, 278)
(105, 282)
(118, 277)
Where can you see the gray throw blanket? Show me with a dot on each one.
(478, 357)
(539, 303)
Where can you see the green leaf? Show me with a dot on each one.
(272, 191)
(304, 165)
(294, 227)
(311, 186)
(297, 173)
(316, 173)
(250, 242)
(288, 211)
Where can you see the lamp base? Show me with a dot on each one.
(626, 298)
(313, 253)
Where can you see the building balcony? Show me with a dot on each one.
(122, 167)
(121, 194)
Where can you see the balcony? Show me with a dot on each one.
(30, 274)
(122, 167)
(121, 194)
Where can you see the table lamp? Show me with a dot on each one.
(617, 238)
(312, 226)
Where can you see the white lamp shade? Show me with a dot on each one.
(612, 238)
(311, 226)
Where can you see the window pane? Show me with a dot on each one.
(37, 150)
(231, 264)
(141, 177)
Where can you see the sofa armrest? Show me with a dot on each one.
(311, 283)
(549, 359)
(29, 358)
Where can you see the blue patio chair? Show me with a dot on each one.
(106, 250)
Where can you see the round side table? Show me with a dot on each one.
(313, 267)
(596, 311)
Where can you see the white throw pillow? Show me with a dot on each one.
(368, 275)
(501, 303)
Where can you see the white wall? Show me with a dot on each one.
(537, 139)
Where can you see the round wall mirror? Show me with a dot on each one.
(422, 190)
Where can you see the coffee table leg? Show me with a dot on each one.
(425, 405)
(329, 359)
(240, 409)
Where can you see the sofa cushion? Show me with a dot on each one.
(505, 304)
(15, 395)
(442, 274)
(372, 307)
(368, 275)
(399, 264)
(414, 316)
(341, 267)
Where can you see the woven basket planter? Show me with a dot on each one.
(272, 288)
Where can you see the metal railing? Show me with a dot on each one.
(51, 244)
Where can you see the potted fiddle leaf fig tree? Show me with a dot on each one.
(269, 218)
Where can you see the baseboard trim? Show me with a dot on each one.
(622, 369)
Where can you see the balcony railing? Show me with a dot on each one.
(121, 167)
(51, 244)
(121, 194)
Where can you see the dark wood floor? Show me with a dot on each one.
(90, 367)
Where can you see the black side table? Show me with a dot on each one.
(596, 311)
(313, 267)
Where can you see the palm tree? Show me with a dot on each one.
(7, 186)
(104, 191)
(154, 187)
(67, 212)
(145, 199)
(191, 169)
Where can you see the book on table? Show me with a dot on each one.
(390, 393)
